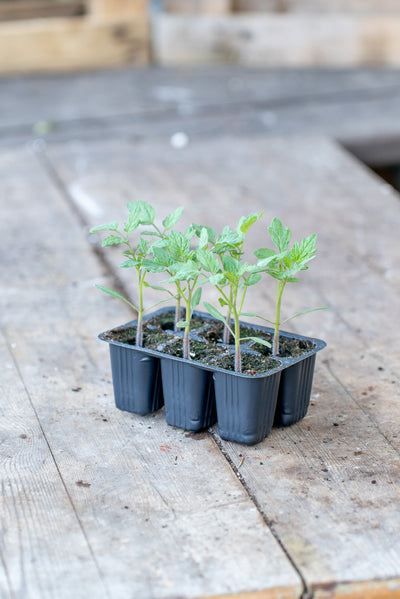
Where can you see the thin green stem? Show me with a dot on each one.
(275, 346)
(238, 357)
(177, 312)
(228, 317)
(139, 329)
(186, 341)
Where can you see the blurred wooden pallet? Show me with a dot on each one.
(278, 32)
(41, 37)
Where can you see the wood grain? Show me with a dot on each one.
(272, 39)
(329, 485)
(42, 542)
(70, 43)
(161, 509)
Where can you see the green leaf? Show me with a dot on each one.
(231, 265)
(260, 340)
(247, 221)
(305, 312)
(178, 245)
(208, 261)
(222, 302)
(112, 240)
(256, 316)
(305, 250)
(156, 287)
(280, 236)
(151, 266)
(228, 240)
(171, 220)
(107, 227)
(146, 212)
(264, 253)
(116, 294)
(210, 232)
(217, 279)
(129, 263)
(214, 312)
(132, 222)
(196, 297)
(203, 239)
(162, 257)
(252, 279)
(185, 271)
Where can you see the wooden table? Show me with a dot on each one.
(101, 503)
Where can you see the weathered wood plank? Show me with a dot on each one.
(117, 8)
(197, 6)
(325, 505)
(42, 543)
(26, 9)
(359, 107)
(163, 512)
(286, 39)
(69, 43)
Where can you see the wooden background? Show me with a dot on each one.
(46, 35)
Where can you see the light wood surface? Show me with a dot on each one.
(322, 483)
(71, 43)
(128, 506)
(156, 512)
(278, 39)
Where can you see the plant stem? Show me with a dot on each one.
(139, 328)
(186, 343)
(177, 312)
(238, 357)
(228, 317)
(275, 346)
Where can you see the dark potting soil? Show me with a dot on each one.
(288, 348)
(158, 335)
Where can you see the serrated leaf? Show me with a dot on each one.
(162, 256)
(171, 220)
(305, 250)
(231, 265)
(146, 213)
(129, 263)
(264, 253)
(214, 312)
(217, 279)
(111, 240)
(113, 226)
(203, 239)
(228, 240)
(132, 222)
(185, 271)
(280, 236)
(151, 266)
(178, 245)
(252, 279)
(208, 261)
(222, 302)
(210, 232)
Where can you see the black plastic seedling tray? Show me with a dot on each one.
(196, 394)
